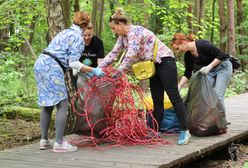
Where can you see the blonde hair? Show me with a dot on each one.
(81, 19)
(119, 16)
(180, 37)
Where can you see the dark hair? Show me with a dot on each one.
(119, 16)
(81, 19)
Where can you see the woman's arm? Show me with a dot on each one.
(215, 62)
(206, 69)
(134, 42)
(182, 82)
(110, 58)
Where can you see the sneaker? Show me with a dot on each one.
(45, 144)
(64, 147)
(183, 138)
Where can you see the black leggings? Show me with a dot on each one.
(165, 79)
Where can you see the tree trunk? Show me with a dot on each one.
(65, 4)
(223, 26)
(197, 15)
(213, 17)
(55, 18)
(94, 15)
(231, 28)
(101, 18)
(189, 20)
(4, 37)
(76, 6)
(202, 10)
(58, 19)
(241, 31)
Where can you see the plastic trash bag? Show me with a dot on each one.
(169, 123)
(82, 123)
(148, 103)
(205, 115)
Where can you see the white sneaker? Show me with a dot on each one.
(45, 144)
(64, 147)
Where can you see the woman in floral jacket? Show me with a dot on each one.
(139, 43)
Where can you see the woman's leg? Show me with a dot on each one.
(157, 93)
(45, 117)
(167, 73)
(221, 76)
(60, 120)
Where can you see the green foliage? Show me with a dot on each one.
(16, 16)
(138, 12)
(238, 84)
(17, 85)
(39, 42)
(17, 82)
(180, 69)
(173, 17)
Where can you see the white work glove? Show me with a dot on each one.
(75, 72)
(206, 69)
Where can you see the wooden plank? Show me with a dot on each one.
(135, 156)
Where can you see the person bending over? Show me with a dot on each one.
(139, 43)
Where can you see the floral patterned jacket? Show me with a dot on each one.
(139, 44)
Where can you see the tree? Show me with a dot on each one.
(199, 13)
(76, 6)
(231, 28)
(240, 19)
(58, 18)
(223, 25)
(97, 16)
(213, 18)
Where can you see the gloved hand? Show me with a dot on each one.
(206, 69)
(98, 72)
(75, 72)
(90, 74)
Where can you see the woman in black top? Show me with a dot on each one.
(94, 49)
(93, 52)
(204, 56)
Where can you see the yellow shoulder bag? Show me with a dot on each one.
(146, 69)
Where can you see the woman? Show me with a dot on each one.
(203, 56)
(64, 51)
(139, 43)
(94, 49)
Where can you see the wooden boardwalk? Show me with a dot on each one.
(134, 156)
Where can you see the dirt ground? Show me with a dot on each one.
(17, 132)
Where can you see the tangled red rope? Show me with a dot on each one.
(120, 118)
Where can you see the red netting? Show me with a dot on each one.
(112, 110)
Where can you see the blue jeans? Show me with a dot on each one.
(219, 78)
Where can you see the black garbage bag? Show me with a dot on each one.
(205, 115)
